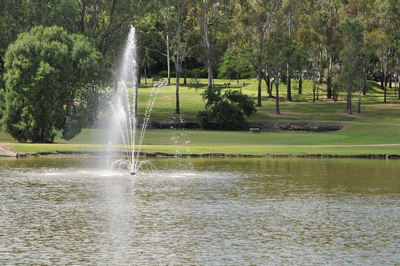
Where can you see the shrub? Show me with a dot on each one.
(226, 111)
(2, 103)
(164, 74)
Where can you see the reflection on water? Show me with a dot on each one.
(222, 211)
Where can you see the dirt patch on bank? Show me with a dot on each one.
(298, 126)
(6, 147)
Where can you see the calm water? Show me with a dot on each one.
(203, 211)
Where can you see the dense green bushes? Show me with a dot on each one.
(226, 111)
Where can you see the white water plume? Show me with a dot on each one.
(125, 108)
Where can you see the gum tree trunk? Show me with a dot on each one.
(277, 89)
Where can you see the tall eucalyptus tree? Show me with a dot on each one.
(213, 12)
(257, 17)
(183, 16)
(351, 56)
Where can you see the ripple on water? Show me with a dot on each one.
(281, 213)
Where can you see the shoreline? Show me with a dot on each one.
(210, 155)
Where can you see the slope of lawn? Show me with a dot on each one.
(378, 123)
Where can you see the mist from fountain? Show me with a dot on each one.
(125, 105)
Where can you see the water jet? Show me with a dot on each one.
(124, 108)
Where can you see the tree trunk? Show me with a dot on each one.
(145, 76)
(178, 59)
(177, 93)
(384, 99)
(277, 89)
(314, 85)
(168, 62)
(329, 87)
(397, 76)
(365, 85)
(349, 99)
(390, 81)
(184, 79)
(359, 103)
(382, 77)
(329, 80)
(269, 87)
(301, 83)
(237, 78)
(289, 90)
(385, 85)
(259, 88)
(208, 45)
(398, 82)
(210, 77)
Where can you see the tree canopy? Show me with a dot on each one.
(267, 36)
(50, 84)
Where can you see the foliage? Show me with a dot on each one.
(2, 103)
(234, 66)
(47, 84)
(352, 66)
(235, 36)
(194, 73)
(164, 74)
(226, 111)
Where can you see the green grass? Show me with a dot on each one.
(378, 123)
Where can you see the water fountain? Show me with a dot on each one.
(125, 105)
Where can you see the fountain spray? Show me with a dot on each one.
(125, 111)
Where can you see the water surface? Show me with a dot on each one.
(201, 211)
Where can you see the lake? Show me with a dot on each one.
(236, 211)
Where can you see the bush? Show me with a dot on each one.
(2, 103)
(226, 111)
(199, 73)
(164, 74)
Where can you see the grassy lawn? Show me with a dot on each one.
(378, 123)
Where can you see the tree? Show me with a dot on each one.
(182, 47)
(233, 65)
(331, 38)
(313, 37)
(165, 34)
(227, 110)
(278, 49)
(50, 84)
(290, 7)
(388, 12)
(351, 55)
(257, 17)
(300, 55)
(213, 13)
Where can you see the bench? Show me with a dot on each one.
(255, 130)
(227, 84)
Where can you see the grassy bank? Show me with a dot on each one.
(378, 123)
